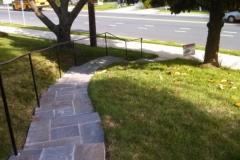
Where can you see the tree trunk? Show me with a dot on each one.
(63, 36)
(92, 24)
(66, 18)
(214, 25)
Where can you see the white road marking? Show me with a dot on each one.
(112, 25)
(141, 28)
(31, 18)
(225, 35)
(230, 32)
(179, 31)
(97, 21)
(119, 23)
(86, 22)
(149, 25)
(186, 28)
(157, 19)
(55, 18)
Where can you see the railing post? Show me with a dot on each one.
(34, 81)
(106, 44)
(141, 49)
(59, 67)
(8, 116)
(74, 54)
(126, 48)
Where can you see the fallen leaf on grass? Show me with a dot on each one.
(237, 104)
(233, 87)
(221, 86)
(100, 72)
(211, 80)
(110, 123)
(177, 73)
(229, 81)
(223, 81)
(160, 77)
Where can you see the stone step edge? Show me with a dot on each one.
(91, 151)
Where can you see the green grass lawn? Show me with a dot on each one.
(168, 110)
(164, 110)
(18, 81)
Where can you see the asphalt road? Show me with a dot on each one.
(181, 29)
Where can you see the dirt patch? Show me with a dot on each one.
(109, 123)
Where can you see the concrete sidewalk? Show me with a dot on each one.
(163, 52)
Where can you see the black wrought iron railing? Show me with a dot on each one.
(29, 54)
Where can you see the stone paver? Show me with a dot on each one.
(66, 126)
(58, 153)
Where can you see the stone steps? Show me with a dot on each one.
(94, 151)
(83, 128)
(65, 125)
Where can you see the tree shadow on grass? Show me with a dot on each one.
(14, 46)
(150, 121)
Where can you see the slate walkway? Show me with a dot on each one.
(66, 126)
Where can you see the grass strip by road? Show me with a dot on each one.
(186, 12)
(18, 82)
(225, 51)
(97, 7)
(168, 110)
(104, 6)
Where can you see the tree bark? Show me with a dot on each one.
(92, 24)
(66, 19)
(214, 25)
(62, 33)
